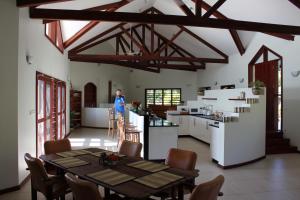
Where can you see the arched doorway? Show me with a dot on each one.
(90, 95)
(266, 66)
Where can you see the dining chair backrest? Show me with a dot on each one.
(57, 146)
(82, 190)
(209, 190)
(38, 173)
(130, 149)
(181, 159)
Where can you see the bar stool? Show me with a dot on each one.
(132, 135)
(121, 129)
(112, 131)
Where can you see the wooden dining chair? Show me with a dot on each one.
(52, 187)
(130, 149)
(52, 147)
(209, 190)
(180, 159)
(82, 190)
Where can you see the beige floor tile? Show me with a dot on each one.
(275, 178)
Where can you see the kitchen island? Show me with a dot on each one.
(157, 135)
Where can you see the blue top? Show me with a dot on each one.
(119, 104)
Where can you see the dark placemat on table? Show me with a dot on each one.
(111, 177)
(73, 153)
(148, 166)
(70, 162)
(158, 179)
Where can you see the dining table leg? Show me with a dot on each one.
(180, 192)
(107, 193)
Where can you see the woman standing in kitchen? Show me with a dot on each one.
(119, 106)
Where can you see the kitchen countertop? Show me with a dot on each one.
(211, 117)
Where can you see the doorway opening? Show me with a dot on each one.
(266, 66)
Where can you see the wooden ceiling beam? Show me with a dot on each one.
(198, 7)
(184, 8)
(214, 8)
(234, 34)
(137, 65)
(140, 46)
(32, 3)
(169, 42)
(219, 15)
(97, 37)
(198, 38)
(109, 7)
(295, 2)
(149, 58)
(174, 46)
(37, 13)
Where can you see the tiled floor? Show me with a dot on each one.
(275, 178)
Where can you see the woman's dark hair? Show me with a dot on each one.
(119, 90)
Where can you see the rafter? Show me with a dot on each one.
(170, 41)
(197, 37)
(198, 7)
(108, 7)
(133, 40)
(38, 13)
(219, 15)
(214, 8)
(31, 3)
(296, 3)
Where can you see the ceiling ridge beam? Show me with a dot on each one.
(37, 13)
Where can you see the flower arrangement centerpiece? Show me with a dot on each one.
(109, 159)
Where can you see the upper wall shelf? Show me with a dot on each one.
(206, 98)
(235, 99)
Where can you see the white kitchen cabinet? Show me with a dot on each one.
(184, 125)
(199, 128)
(182, 121)
(217, 143)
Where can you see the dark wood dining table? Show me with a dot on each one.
(130, 189)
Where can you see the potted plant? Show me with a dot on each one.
(257, 87)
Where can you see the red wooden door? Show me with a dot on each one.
(267, 72)
(51, 110)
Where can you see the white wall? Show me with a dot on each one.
(9, 93)
(46, 59)
(140, 80)
(238, 68)
(83, 73)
